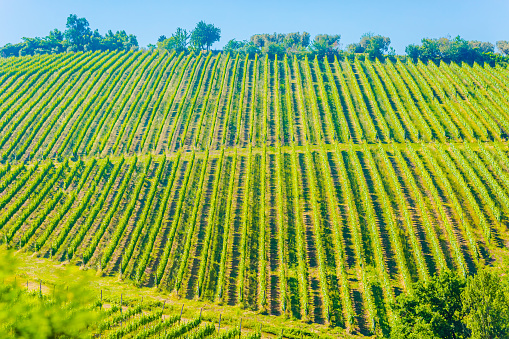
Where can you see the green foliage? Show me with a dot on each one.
(375, 46)
(326, 45)
(243, 47)
(178, 42)
(77, 37)
(290, 40)
(486, 303)
(455, 50)
(274, 49)
(433, 310)
(503, 47)
(31, 315)
(77, 32)
(449, 306)
(281, 44)
(204, 35)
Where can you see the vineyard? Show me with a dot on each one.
(315, 189)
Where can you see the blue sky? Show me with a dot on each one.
(404, 22)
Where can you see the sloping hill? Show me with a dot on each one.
(320, 190)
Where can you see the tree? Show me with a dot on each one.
(11, 50)
(355, 48)
(274, 49)
(205, 35)
(178, 41)
(290, 41)
(486, 303)
(325, 44)
(374, 45)
(295, 40)
(503, 47)
(77, 37)
(244, 47)
(482, 46)
(456, 50)
(433, 310)
(119, 41)
(413, 51)
(234, 46)
(77, 33)
(258, 40)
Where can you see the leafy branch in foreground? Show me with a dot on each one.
(449, 306)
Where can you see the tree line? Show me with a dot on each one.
(78, 36)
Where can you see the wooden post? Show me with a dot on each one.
(219, 327)
(40, 288)
(240, 328)
(121, 303)
(201, 309)
(181, 310)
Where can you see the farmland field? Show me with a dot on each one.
(316, 189)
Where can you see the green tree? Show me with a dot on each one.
(119, 41)
(234, 46)
(204, 35)
(486, 303)
(433, 310)
(77, 33)
(179, 41)
(325, 44)
(374, 45)
(503, 47)
(273, 49)
(413, 51)
(295, 40)
(482, 46)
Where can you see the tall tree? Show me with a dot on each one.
(205, 35)
(433, 310)
(78, 32)
(482, 46)
(486, 302)
(503, 47)
(325, 44)
(375, 45)
(178, 41)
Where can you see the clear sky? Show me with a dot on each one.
(404, 21)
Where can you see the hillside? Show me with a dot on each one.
(313, 189)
